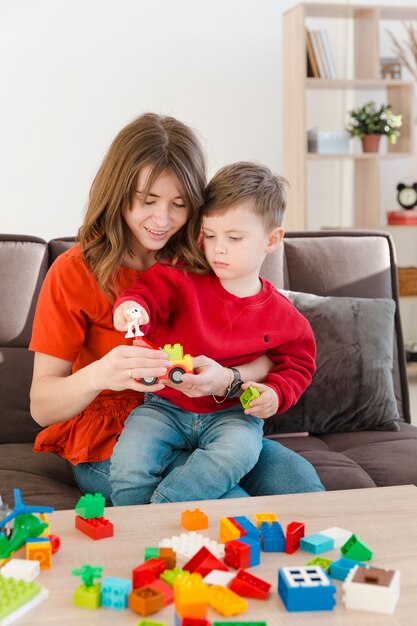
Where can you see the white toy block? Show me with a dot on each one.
(21, 569)
(187, 545)
(339, 535)
(219, 577)
(372, 589)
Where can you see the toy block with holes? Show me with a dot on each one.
(372, 589)
(237, 554)
(226, 602)
(40, 549)
(340, 569)
(251, 393)
(272, 537)
(306, 589)
(162, 587)
(194, 520)
(146, 600)
(249, 586)
(18, 597)
(316, 543)
(115, 592)
(265, 517)
(94, 527)
(21, 569)
(88, 595)
(146, 572)
(295, 531)
(89, 506)
(203, 562)
(320, 562)
(147, 622)
(187, 544)
(356, 549)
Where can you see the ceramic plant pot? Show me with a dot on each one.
(370, 143)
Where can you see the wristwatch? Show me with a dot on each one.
(236, 384)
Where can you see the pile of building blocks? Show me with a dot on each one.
(89, 517)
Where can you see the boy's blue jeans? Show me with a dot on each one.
(224, 446)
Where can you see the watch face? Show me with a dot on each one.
(407, 197)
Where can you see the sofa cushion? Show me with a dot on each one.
(42, 478)
(352, 389)
(361, 459)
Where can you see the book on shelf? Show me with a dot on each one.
(318, 48)
(328, 53)
(312, 67)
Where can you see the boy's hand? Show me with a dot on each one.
(266, 405)
(121, 315)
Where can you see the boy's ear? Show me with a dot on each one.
(275, 237)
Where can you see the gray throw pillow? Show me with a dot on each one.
(352, 388)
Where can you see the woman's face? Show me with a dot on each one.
(155, 219)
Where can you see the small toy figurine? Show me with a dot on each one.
(133, 329)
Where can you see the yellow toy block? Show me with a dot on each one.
(175, 352)
(190, 590)
(194, 611)
(228, 531)
(265, 517)
(226, 602)
(40, 551)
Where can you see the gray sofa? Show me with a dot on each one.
(329, 263)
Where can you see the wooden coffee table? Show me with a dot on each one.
(385, 518)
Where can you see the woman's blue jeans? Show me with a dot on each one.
(224, 446)
(278, 470)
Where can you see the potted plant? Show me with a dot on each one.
(370, 122)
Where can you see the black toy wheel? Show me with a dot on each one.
(149, 380)
(176, 375)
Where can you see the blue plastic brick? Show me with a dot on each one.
(251, 530)
(340, 569)
(273, 538)
(255, 550)
(297, 592)
(316, 543)
(114, 592)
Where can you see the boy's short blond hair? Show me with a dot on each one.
(246, 181)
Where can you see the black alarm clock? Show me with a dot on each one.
(407, 195)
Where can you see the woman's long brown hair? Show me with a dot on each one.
(167, 145)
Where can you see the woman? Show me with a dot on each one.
(85, 373)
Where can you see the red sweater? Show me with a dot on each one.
(196, 311)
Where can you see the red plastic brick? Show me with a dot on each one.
(95, 527)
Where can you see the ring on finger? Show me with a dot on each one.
(130, 374)
(193, 387)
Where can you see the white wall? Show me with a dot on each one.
(72, 73)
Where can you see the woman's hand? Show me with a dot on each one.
(123, 314)
(121, 368)
(266, 404)
(210, 378)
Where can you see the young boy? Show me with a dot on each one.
(231, 315)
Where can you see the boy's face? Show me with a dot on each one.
(236, 243)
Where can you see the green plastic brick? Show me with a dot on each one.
(151, 553)
(15, 593)
(356, 549)
(146, 622)
(323, 563)
(89, 506)
(169, 575)
(239, 624)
